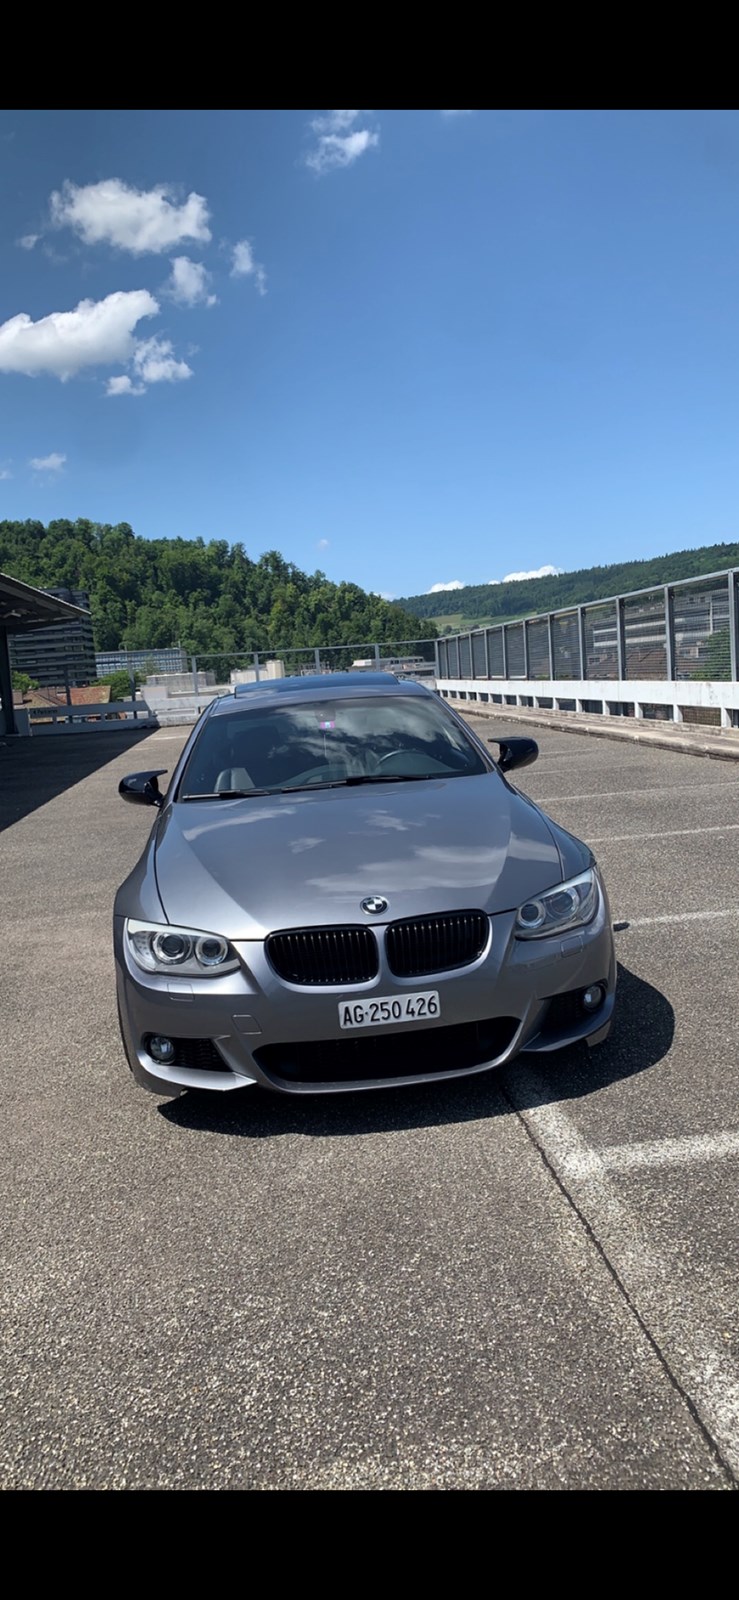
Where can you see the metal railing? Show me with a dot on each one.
(400, 655)
(675, 633)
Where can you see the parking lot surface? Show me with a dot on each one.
(522, 1280)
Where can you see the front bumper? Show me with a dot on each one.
(490, 1011)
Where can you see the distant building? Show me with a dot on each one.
(61, 654)
(173, 659)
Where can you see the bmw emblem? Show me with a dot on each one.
(374, 905)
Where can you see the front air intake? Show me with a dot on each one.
(324, 956)
(436, 944)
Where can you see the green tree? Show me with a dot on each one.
(23, 683)
(120, 683)
(210, 596)
(486, 603)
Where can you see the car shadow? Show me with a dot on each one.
(643, 1029)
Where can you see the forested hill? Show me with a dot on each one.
(146, 593)
(485, 602)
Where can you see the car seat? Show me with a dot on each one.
(233, 778)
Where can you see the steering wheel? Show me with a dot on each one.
(331, 773)
(390, 755)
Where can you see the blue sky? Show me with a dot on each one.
(407, 347)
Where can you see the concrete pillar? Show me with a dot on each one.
(6, 683)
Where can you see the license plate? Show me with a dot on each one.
(392, 1010)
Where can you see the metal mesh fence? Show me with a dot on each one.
(495, 652)
(645, 635)
(538, 642)
(566, 646)
(601, 648)
(516, 651)
(701, 640)
(479, 664)
(655, 712)
(702, 645)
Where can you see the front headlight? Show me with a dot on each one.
(187, 952)
(568, 906)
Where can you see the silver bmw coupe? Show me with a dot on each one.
(343, 890)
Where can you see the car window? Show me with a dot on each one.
(328, 741)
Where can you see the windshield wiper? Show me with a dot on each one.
(310, 788)
(393, 777)
(228, 794)
(354, 782)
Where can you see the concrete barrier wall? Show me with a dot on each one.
(118, 716)
(624, 697)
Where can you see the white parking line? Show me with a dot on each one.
(683, 916)
(653, 1153)
(664, 833)
(674, 1318)
(621, 794)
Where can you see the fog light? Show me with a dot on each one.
(161, 1049)
(593, 997)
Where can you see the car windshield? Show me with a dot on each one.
(374, 739)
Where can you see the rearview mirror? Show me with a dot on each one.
(142, 788)
(515, 752)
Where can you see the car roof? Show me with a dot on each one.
(317, 686)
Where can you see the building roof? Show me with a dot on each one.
(94, 694)
(22, 607)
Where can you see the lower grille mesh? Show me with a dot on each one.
(199, 1055)
(388, 1055)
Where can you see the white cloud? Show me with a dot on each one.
(323, 544)
(438, 588)
(243, 265)
(338, 142)
(52, 463)
(189, 284)
(28, 240)
(96, 332)
(5, 472)
(335, 121)
(520, 577)
(155, 362)
(143, 221)
(385, 596)
(124, 385)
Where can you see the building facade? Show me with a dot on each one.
(58, 655)
(173, 659)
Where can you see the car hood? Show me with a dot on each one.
(244, 868)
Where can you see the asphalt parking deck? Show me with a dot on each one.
(521, 1281)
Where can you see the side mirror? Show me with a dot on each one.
(515, 752)
(142, 788)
